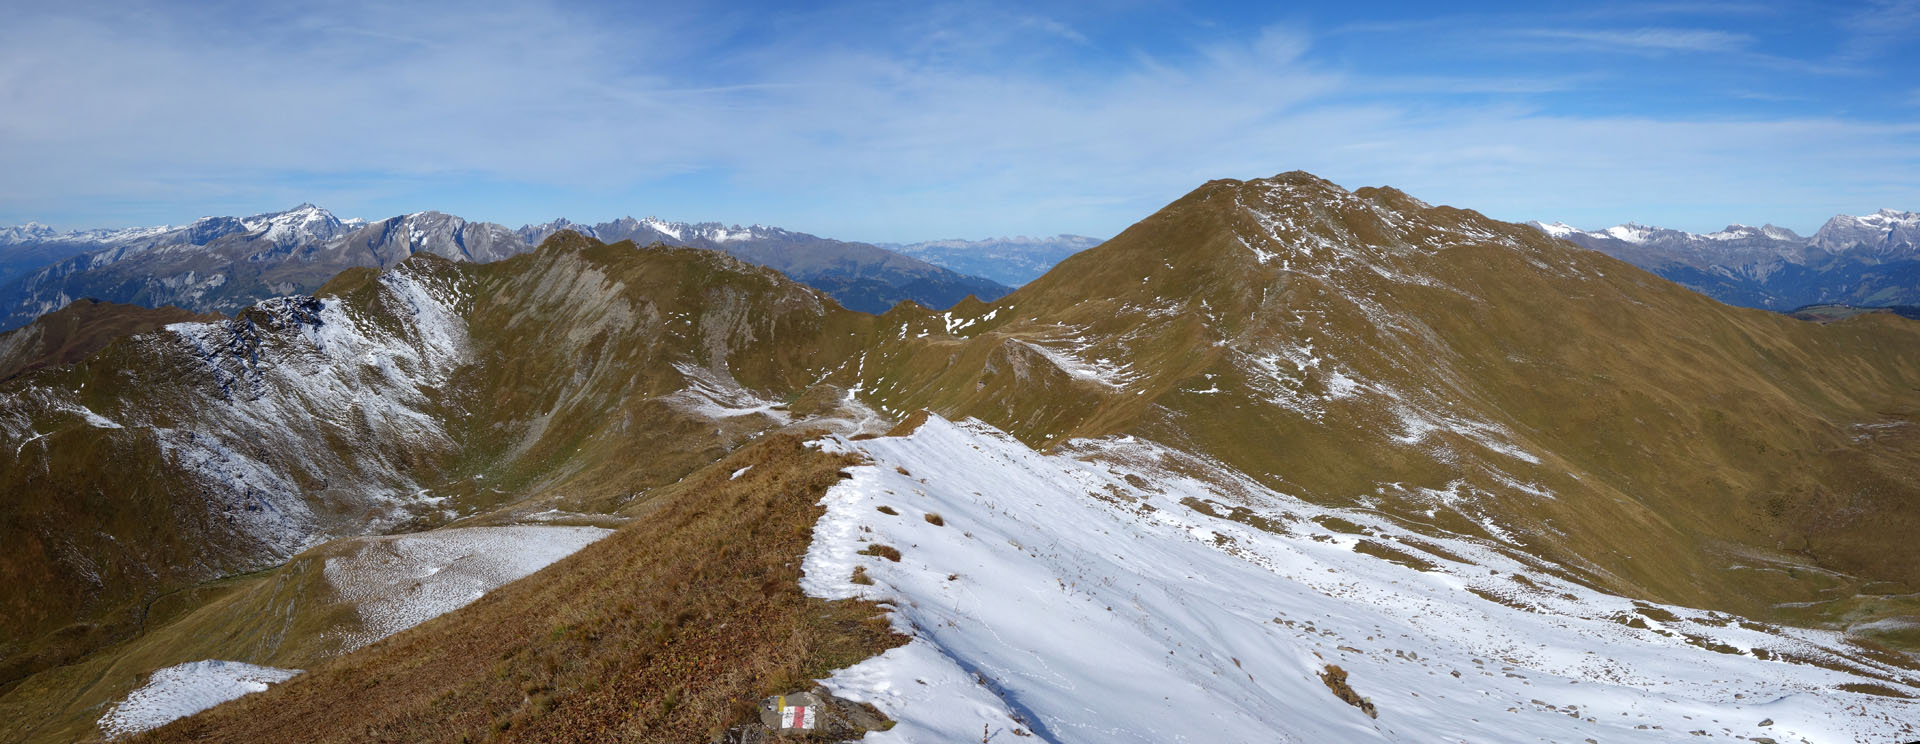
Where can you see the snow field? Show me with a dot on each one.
(1066, 600)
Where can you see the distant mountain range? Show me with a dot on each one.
(223, 264)
(1871, 260)
(1010, 261)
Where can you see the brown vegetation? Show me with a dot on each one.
(909, 425)
(76, 331)
(668, 631)
(1336, 680)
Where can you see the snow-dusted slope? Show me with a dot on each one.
(388, 584)
(401, 581)
(185, 689)
(1090, 596)
(205, 449)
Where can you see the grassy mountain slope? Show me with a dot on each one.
(1469, 376)
(170, 459)
(78, 330)
(668, 631)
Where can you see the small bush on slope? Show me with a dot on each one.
(668, 630)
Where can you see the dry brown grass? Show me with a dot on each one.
(1336, 680)
(909, 425)
(882, 551)
(934, 518)
(666, 631)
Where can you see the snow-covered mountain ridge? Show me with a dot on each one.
(302, 223)
(222, 264)
(1869, 259)
(666, 231)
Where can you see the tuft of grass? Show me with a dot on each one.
(882, 551)
(860, 576)
(934, 518)
(887, 510)
(1336, 680)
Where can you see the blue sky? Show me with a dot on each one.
(905, 121)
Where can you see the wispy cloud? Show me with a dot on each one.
(1464, 84)
(952, 121)
(1687, 8)
(1055, 28)
(1654, 40)
(1880, 27)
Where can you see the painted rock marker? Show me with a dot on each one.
(797, 717)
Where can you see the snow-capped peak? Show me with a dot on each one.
(1556, 229)
(31, 231)
(669, 229)
(1737, 231)
(299, 224)
(1884, 219)
(711, 231)
(1630, 232)
(1892, 217)
(1885, 231)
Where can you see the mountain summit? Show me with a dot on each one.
(1365, 348)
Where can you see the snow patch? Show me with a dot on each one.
(185, 689)
(1074, 360)
(719, 396)
(400, 581)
